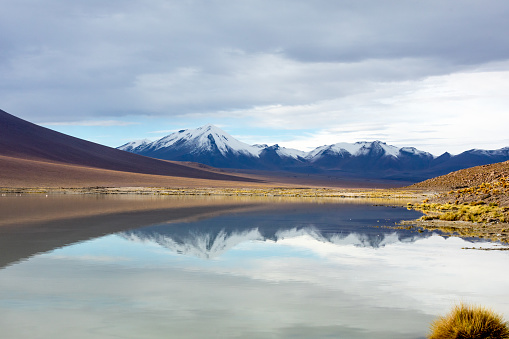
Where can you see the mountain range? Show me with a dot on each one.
(34, 156)
(212, 146)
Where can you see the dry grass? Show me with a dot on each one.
(476, 203)
(475, 212)
(494, 192)
(465, 322)
(468, 177)
(377, 196)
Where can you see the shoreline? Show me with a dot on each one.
(493, 232)
(496, 232)
(301, 192)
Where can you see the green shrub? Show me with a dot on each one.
(465, 322)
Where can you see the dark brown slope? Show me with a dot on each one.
(24, 140)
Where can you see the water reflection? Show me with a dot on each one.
(36, 224)
(291, 271)
(360, 225)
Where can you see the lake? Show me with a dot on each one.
(205, 267)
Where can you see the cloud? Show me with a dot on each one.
(453, 111)
(89, 258)
(91, 123)
(71, 62)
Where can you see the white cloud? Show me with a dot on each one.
(91, 123)
(302, 65)
(451, 112)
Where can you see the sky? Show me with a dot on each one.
(429, 74)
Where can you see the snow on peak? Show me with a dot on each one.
(496, 152)
(355, 149)
(205, 137)
(415, 151)
(290, 152)
(388, 149)
(134, 144)
(212, 138)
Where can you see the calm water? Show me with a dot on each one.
(280, 271)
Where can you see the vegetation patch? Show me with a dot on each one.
(394, 196)
(467, 322)
(476, 203)
(466, 178)
(478, 212)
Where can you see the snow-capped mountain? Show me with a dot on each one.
(357, 149)
(207, 138)
(133, 145)
(212, 146)
(372, 156)
(447, 163)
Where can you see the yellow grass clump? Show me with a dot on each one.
(474, 212)
(469, 322)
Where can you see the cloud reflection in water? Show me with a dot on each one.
(272, 277)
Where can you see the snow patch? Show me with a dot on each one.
(135, 144)
(291, 153)
(356, 149)
(205, 137)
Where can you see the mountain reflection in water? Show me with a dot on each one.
(275, 271)
(359, 225)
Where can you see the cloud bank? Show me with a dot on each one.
(349, 69)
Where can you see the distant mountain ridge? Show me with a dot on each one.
(212, 146)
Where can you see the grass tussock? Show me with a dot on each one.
(473, 212)
(469, 322)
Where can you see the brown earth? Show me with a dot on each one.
(473, 202)
(466, 177)
(17, 172)
(34, 155)
(487, 183)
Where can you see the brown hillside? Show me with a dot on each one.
(480, 185)
(468, 177)
(22, 141)
(16, 172)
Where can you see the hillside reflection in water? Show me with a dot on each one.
(295, 271)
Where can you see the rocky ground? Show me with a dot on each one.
(465, 178)
(469, 202)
